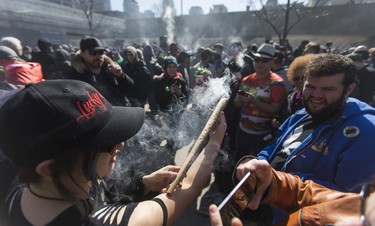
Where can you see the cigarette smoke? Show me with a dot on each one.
(155, 145)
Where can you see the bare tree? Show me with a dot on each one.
(87, 7)
(279, 18)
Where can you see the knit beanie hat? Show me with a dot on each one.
(133, 51)
(43, 44)
(169, 60)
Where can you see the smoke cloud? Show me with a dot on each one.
(155, 145)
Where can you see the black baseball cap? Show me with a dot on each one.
(47, 118)
(91, 43)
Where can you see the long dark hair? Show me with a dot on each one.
(63, 165)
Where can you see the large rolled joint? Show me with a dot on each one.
(199, 144)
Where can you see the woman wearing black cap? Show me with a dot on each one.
(63, 135)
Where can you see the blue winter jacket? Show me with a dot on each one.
(339, 154)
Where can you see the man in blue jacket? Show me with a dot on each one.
(330, 141)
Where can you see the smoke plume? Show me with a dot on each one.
(169, 21)
(155, 145)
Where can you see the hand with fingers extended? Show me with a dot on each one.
(115, 69)
(263, 173)
(215, 217)
(160, 179)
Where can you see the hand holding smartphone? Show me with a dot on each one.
(238, 199)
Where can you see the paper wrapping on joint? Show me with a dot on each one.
(198, 145)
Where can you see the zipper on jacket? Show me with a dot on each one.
(312, 141)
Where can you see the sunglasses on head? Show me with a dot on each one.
(94, 52)
(366, 191)
(263, 60)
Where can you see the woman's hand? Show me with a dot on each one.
(161, 178)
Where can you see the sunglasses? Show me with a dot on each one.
(94, 52)
(263, 60)
(366, 191)
(109, 150)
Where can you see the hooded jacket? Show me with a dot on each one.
(141, 76)
(338, 154)
(163, 97)
(114, 89)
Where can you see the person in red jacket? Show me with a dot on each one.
(18, 72)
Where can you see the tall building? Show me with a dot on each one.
(68, 3)
(271, 3)
(219, 9)
(338, 2)
(102, 5)
(196, 10)
(131, 9)
(98, 5)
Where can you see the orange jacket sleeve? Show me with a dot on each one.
(310, 203)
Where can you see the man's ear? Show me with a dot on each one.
(44, 168)
(350, 89)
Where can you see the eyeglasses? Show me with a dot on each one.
(93, 52)
(366, 191)
(263, 60)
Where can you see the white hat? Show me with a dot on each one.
(13, 43)
(360, 48)
(7, 53)
(265, 51)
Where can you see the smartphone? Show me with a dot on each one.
(238, 199)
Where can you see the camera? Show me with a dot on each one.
(178, 81)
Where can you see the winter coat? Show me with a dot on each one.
(339, 154)
(114, 89)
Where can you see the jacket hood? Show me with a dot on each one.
(78, 64)
(357, 107)
(133, 51)
(353, 107)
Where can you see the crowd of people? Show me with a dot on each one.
(300, 120)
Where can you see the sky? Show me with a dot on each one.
(232, 5)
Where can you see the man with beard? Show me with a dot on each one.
(91, 65)
(330, 140)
